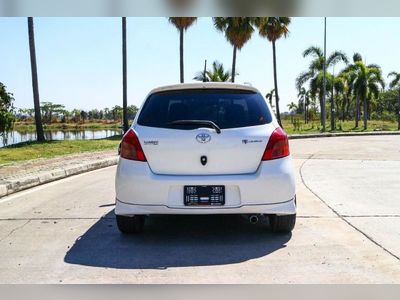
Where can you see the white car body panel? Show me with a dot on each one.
(252, 186)
(143, 192)
(234, 151)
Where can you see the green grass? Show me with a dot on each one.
(347, 126)
(34, 150)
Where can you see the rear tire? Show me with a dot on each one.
(130, 225)
(282, 224)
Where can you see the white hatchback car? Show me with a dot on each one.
(205, 148)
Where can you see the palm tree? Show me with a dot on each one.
(238, 31)
(217, 74)
(273, 28)
(315, 73)
(338, 95)
(182, 24)
(344, 86)
(304, 96)
(395, 84)
(367, 83)
(350, 77)
(35, 85)
(124, 79)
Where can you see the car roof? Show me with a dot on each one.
(204, 85)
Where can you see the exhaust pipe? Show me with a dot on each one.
(253, 219)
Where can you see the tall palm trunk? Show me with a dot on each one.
(35, 85)
(365, 116)
(321, 105)
(369, 109)
(344, 108)
(357, 110)
(347, 109)
(333, 110)
(124, 78)
(307, 113)
(181, 32)
(234, 63)
(278, 114)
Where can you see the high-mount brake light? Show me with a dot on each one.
(278, 145)
(130, 147)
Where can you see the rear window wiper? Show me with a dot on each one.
(205, 123)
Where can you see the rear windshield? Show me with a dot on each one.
(226, 108)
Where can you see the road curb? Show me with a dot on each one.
(339, 134)
(8, 187)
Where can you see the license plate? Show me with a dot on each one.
(195, 195)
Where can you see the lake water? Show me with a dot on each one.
(15, 137)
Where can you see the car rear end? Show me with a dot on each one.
(204, 149)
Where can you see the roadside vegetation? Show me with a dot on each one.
(296, 125)
(216, 74)
(7, 117)
(49, 149)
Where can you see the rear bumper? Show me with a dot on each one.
(285, 208)
(271, 190)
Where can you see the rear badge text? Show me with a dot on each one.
(251, 141)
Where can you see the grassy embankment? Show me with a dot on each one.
(299, 127)
(49, 149)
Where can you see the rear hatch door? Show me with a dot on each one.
(242, 116)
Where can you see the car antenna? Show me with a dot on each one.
(205, 71)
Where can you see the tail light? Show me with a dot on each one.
(278, 145)
(130, 147)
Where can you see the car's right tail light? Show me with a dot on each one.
(130, 147)
(278, 145)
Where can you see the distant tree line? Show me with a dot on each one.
(56, 113)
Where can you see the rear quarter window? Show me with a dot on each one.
(226, 108)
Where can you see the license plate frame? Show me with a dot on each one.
(204, 195)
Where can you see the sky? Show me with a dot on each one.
(80, 59)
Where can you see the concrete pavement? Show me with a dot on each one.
(348, 229)
(359, 179)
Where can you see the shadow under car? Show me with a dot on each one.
(175, 241)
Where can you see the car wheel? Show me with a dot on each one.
(282, 224)
(130, 225)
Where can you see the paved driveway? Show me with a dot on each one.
(348, 229)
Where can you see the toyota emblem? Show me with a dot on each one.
(203, 138)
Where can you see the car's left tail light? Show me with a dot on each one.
(130, 147)
(278, 145)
